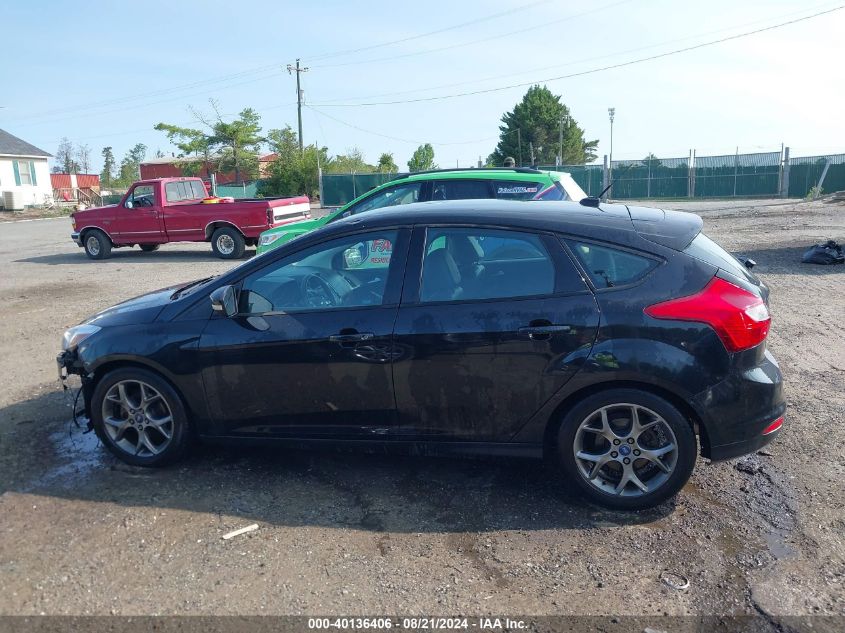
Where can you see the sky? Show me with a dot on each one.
(104, 73)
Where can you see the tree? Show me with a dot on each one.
(65, 158)
(351, 162)
(130, 166)
(237, 142)
(536, 121)
(422, 159)
(107, 175)
(386, 164)
(292, 172)
(191, 143)
(83, 157)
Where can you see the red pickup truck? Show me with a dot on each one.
(155, 212)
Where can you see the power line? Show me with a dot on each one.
(472, 22)
(258, 69)
(327, 102)
(585, 72)
(478, 41)
(395, 138)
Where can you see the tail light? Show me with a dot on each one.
(774, 426)
(739, 317)
(269, 215)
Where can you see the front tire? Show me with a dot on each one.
(149, 248)
(97, 244)
(139, 417)
(228, 243)
(626, 449)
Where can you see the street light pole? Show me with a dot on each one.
(611, 112)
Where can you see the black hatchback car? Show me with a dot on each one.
(604, 339)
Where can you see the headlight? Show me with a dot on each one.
(75, 335)
(268, 238)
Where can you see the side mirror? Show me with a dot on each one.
(128, 204)
(223, 300)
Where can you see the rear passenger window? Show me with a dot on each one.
(478, 264)
(609, 267)
(515, 190)
(461, 190)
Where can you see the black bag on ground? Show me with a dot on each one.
(828, 253)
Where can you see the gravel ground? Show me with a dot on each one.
(345, 533)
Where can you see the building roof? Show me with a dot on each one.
(175, 160)
(13, 146)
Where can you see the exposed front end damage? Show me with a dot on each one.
(68, 364)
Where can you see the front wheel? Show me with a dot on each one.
(626, 449)
(97, 244)
(139, 417)
(228, 243)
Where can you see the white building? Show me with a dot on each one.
(24, 173)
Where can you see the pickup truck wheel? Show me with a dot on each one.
(149, 248)
(97, 244)
(228, 243)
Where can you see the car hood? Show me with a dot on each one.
(142, 309)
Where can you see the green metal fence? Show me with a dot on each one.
(651, 177)
(244, 190)
(588, 177)
(737, 175)
(338, 189)
(805, 172)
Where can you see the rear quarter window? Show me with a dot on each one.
(705, 249)
(609, 267)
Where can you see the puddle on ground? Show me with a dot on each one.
(77, 455)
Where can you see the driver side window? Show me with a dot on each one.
(349, 272)
(141, 196)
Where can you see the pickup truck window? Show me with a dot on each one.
(141, 196)
(184, 190)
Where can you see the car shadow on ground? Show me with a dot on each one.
(125, 256)
(786, 260)
(44, 454)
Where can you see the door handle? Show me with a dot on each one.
(349, 339)
(541, 332)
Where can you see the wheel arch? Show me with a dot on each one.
(212, 226)
(556, 418)
(84, 232)
(113, 364)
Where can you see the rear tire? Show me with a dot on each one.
(97, 244)
(626, 434)
(139, 417)
(228, 243)
(149, 248)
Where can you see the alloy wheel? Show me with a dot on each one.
(625, 450)
(137, 418)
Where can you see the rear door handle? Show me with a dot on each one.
(349, 339)
(541, 332)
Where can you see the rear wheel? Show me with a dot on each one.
(228, 243)
(139, 417)
(149, 248)
(627, 449)
(97, 244)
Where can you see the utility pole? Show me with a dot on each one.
(611, 112)
(560, 155)
(519, 140)
(298, 70)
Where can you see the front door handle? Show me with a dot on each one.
(350, 339)
(541, 332)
